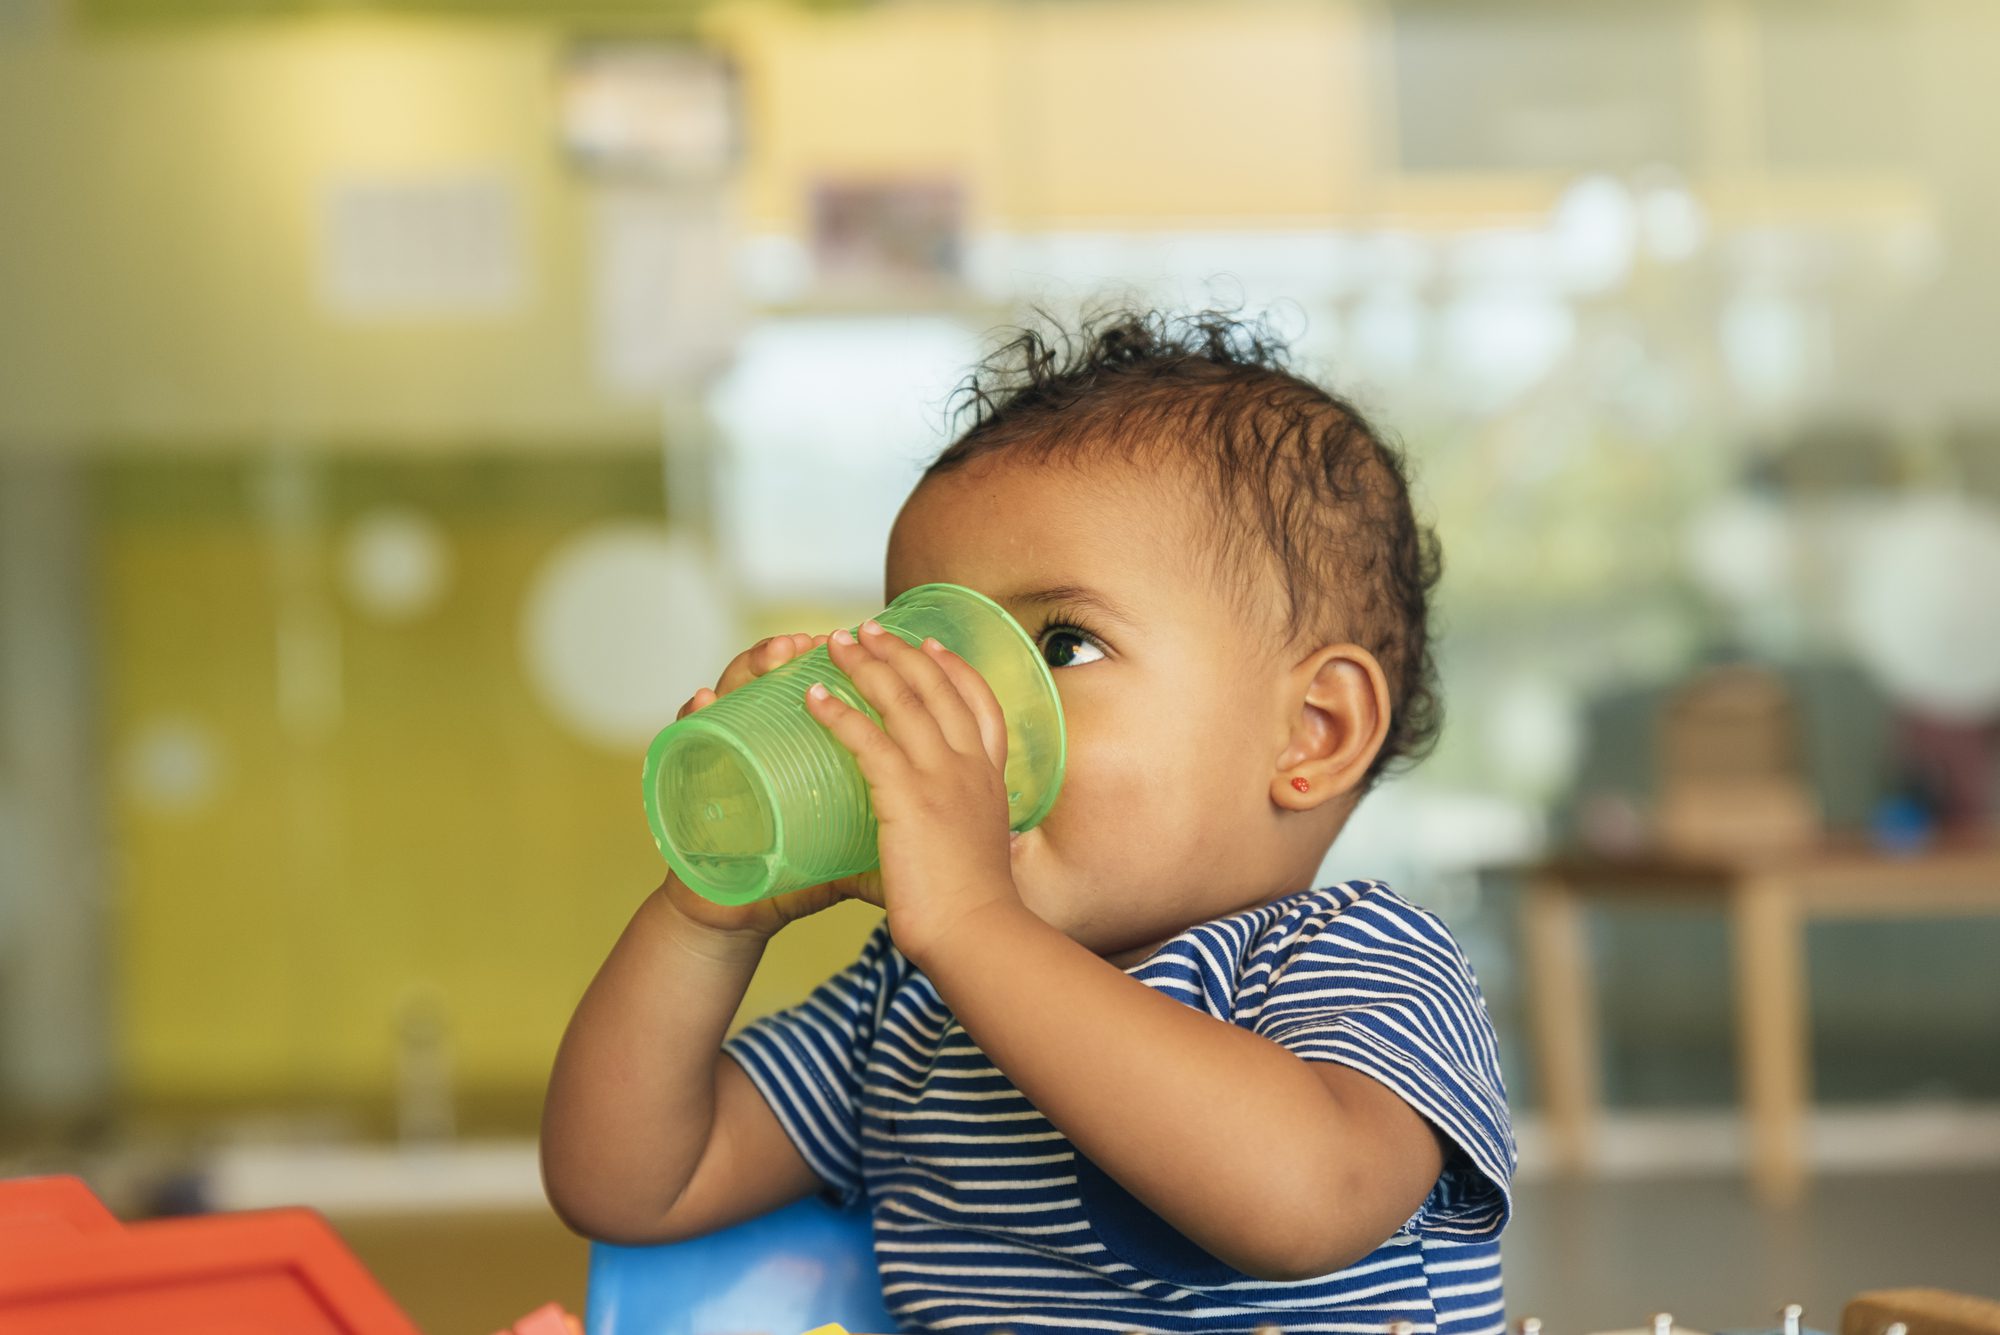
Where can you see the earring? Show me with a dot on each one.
(1301, 784)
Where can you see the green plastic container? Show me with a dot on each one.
(751, 796)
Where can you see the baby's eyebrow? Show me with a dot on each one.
(1074, 593)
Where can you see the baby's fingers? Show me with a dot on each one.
(979, 698)
(755, 661)
(760, 658)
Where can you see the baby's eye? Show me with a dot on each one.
(1056, 632)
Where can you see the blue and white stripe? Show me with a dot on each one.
(984, 1219)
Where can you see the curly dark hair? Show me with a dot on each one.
(1297, 482)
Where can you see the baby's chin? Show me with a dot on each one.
(1122, 943)
(1042, 891)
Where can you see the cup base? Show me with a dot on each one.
(726, 880)
(725, 850)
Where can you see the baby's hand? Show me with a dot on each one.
(765, 916)
(936, 771)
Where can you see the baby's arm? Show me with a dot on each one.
(1284, 1169)
(650, 1133)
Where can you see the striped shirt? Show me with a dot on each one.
(987, 1218)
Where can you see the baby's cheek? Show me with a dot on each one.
(1123, 786)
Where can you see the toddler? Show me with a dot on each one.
(1132, 1069)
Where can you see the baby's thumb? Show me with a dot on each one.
(863, 885)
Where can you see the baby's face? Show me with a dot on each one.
(1176, 712)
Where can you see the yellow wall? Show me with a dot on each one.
(435, 832)
(1082, 114)
(162, 221)
(163, 216)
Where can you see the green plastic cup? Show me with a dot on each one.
(751, 796)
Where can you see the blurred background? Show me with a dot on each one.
(404, 407)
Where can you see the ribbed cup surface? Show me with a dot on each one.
(752, 796)
(756, 796)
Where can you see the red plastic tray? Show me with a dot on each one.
(68, 1267)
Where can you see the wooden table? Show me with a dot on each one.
(1767, 902)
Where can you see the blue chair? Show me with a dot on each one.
(785, 1272)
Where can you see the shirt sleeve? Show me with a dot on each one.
(1379, 985)
(807, 1062)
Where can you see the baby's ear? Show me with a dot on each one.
(1338, 707)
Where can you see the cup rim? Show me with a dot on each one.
(1042, 674)
(693, 724)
